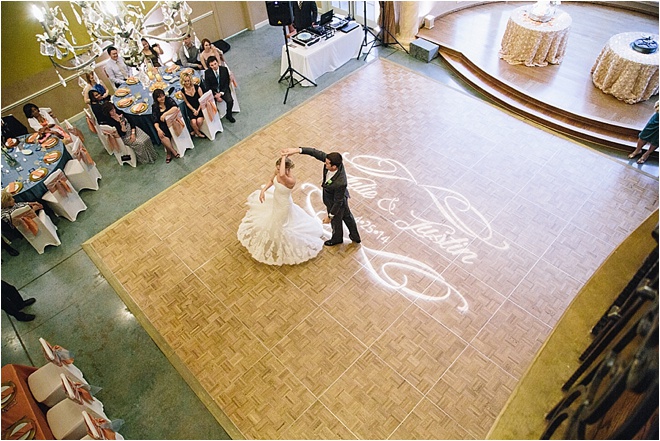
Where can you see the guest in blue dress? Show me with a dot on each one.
(648, 135)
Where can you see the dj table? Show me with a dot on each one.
(324, 56)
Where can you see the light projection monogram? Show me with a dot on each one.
(448, 223)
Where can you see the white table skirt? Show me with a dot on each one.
(324, 56)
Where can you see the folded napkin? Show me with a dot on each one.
(59, 183)
(104, 429)
(208, 102)
(81, 392)
(175, 121)
(61, 356)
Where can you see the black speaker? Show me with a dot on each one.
(279, 13)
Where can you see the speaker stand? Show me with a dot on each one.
(377, 40)
(290, 70)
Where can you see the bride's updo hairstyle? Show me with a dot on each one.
(288, 164)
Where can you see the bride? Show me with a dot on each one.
(275, 230)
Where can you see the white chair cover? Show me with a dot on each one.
(102, 138)
(211, 125)
(183, 141)
(222, 106)
(66, 205)
(47, 234)
(81, 170)
(123, 150)
(66, 420)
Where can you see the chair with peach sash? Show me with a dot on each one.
(97, 129)
(212, 123)
(100, 428)
(123, 153)
(181, 139)
(81, 170)
(74, 133)
(62, 197)
(65, 419)
(37, 229)
(45, 383)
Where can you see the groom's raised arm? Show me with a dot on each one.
(318, 154)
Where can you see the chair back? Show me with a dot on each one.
(12, 128)
(122, 152)
(212, 123)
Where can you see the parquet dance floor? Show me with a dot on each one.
(478, 230)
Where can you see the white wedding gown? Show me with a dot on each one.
(277, 231)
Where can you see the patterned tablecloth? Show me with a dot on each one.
(533, 43)
(621, 71)
(30, 156)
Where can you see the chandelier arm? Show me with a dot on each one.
(72, 68)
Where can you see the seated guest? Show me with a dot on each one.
(151, 52)
(9, 205)
(163, 107)
(132, 136)
(93, 83)
(189, 54)
(42, 121)
(217, 79)
(115, 68)
(191, 95)
(208, 50)
(96, 101)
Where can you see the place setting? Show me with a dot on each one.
(125, 102)
(38, 174)
(122, 91)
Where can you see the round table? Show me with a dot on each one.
(141, 93)
(533, 43)
(621, 71)
(31, 191)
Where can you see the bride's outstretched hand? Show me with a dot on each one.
(262, 197)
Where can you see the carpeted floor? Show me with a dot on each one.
(478, 230)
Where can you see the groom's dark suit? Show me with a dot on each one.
(335, 198)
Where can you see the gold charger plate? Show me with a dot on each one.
(52, 157)
(38, 174)
(131, 80)
(125, 102)
(196, 80)
(11, 143)
(14, 187)
(32, 138)
(122, 92)
(173, 68)
(178, 95)
(49, 142)
(139, 108)
(158, 85)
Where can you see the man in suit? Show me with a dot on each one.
(216, 79)
(335, 194)
(304, 15)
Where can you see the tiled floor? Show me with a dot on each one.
(433, 318)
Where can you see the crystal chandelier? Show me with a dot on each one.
(114, 22)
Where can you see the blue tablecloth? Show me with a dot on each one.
(141, 93)
(31, 191)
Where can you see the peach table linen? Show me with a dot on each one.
(533, 43)
(21, 414)
(621, 71)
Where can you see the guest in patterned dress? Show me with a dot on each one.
(132, 136)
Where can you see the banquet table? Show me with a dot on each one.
(22, 418)
(621, 71)
(324, 56)
(141, 93)
(30, 157)
(533, 43)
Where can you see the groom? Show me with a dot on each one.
(335, 194)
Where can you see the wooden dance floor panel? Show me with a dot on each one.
(477, 232)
